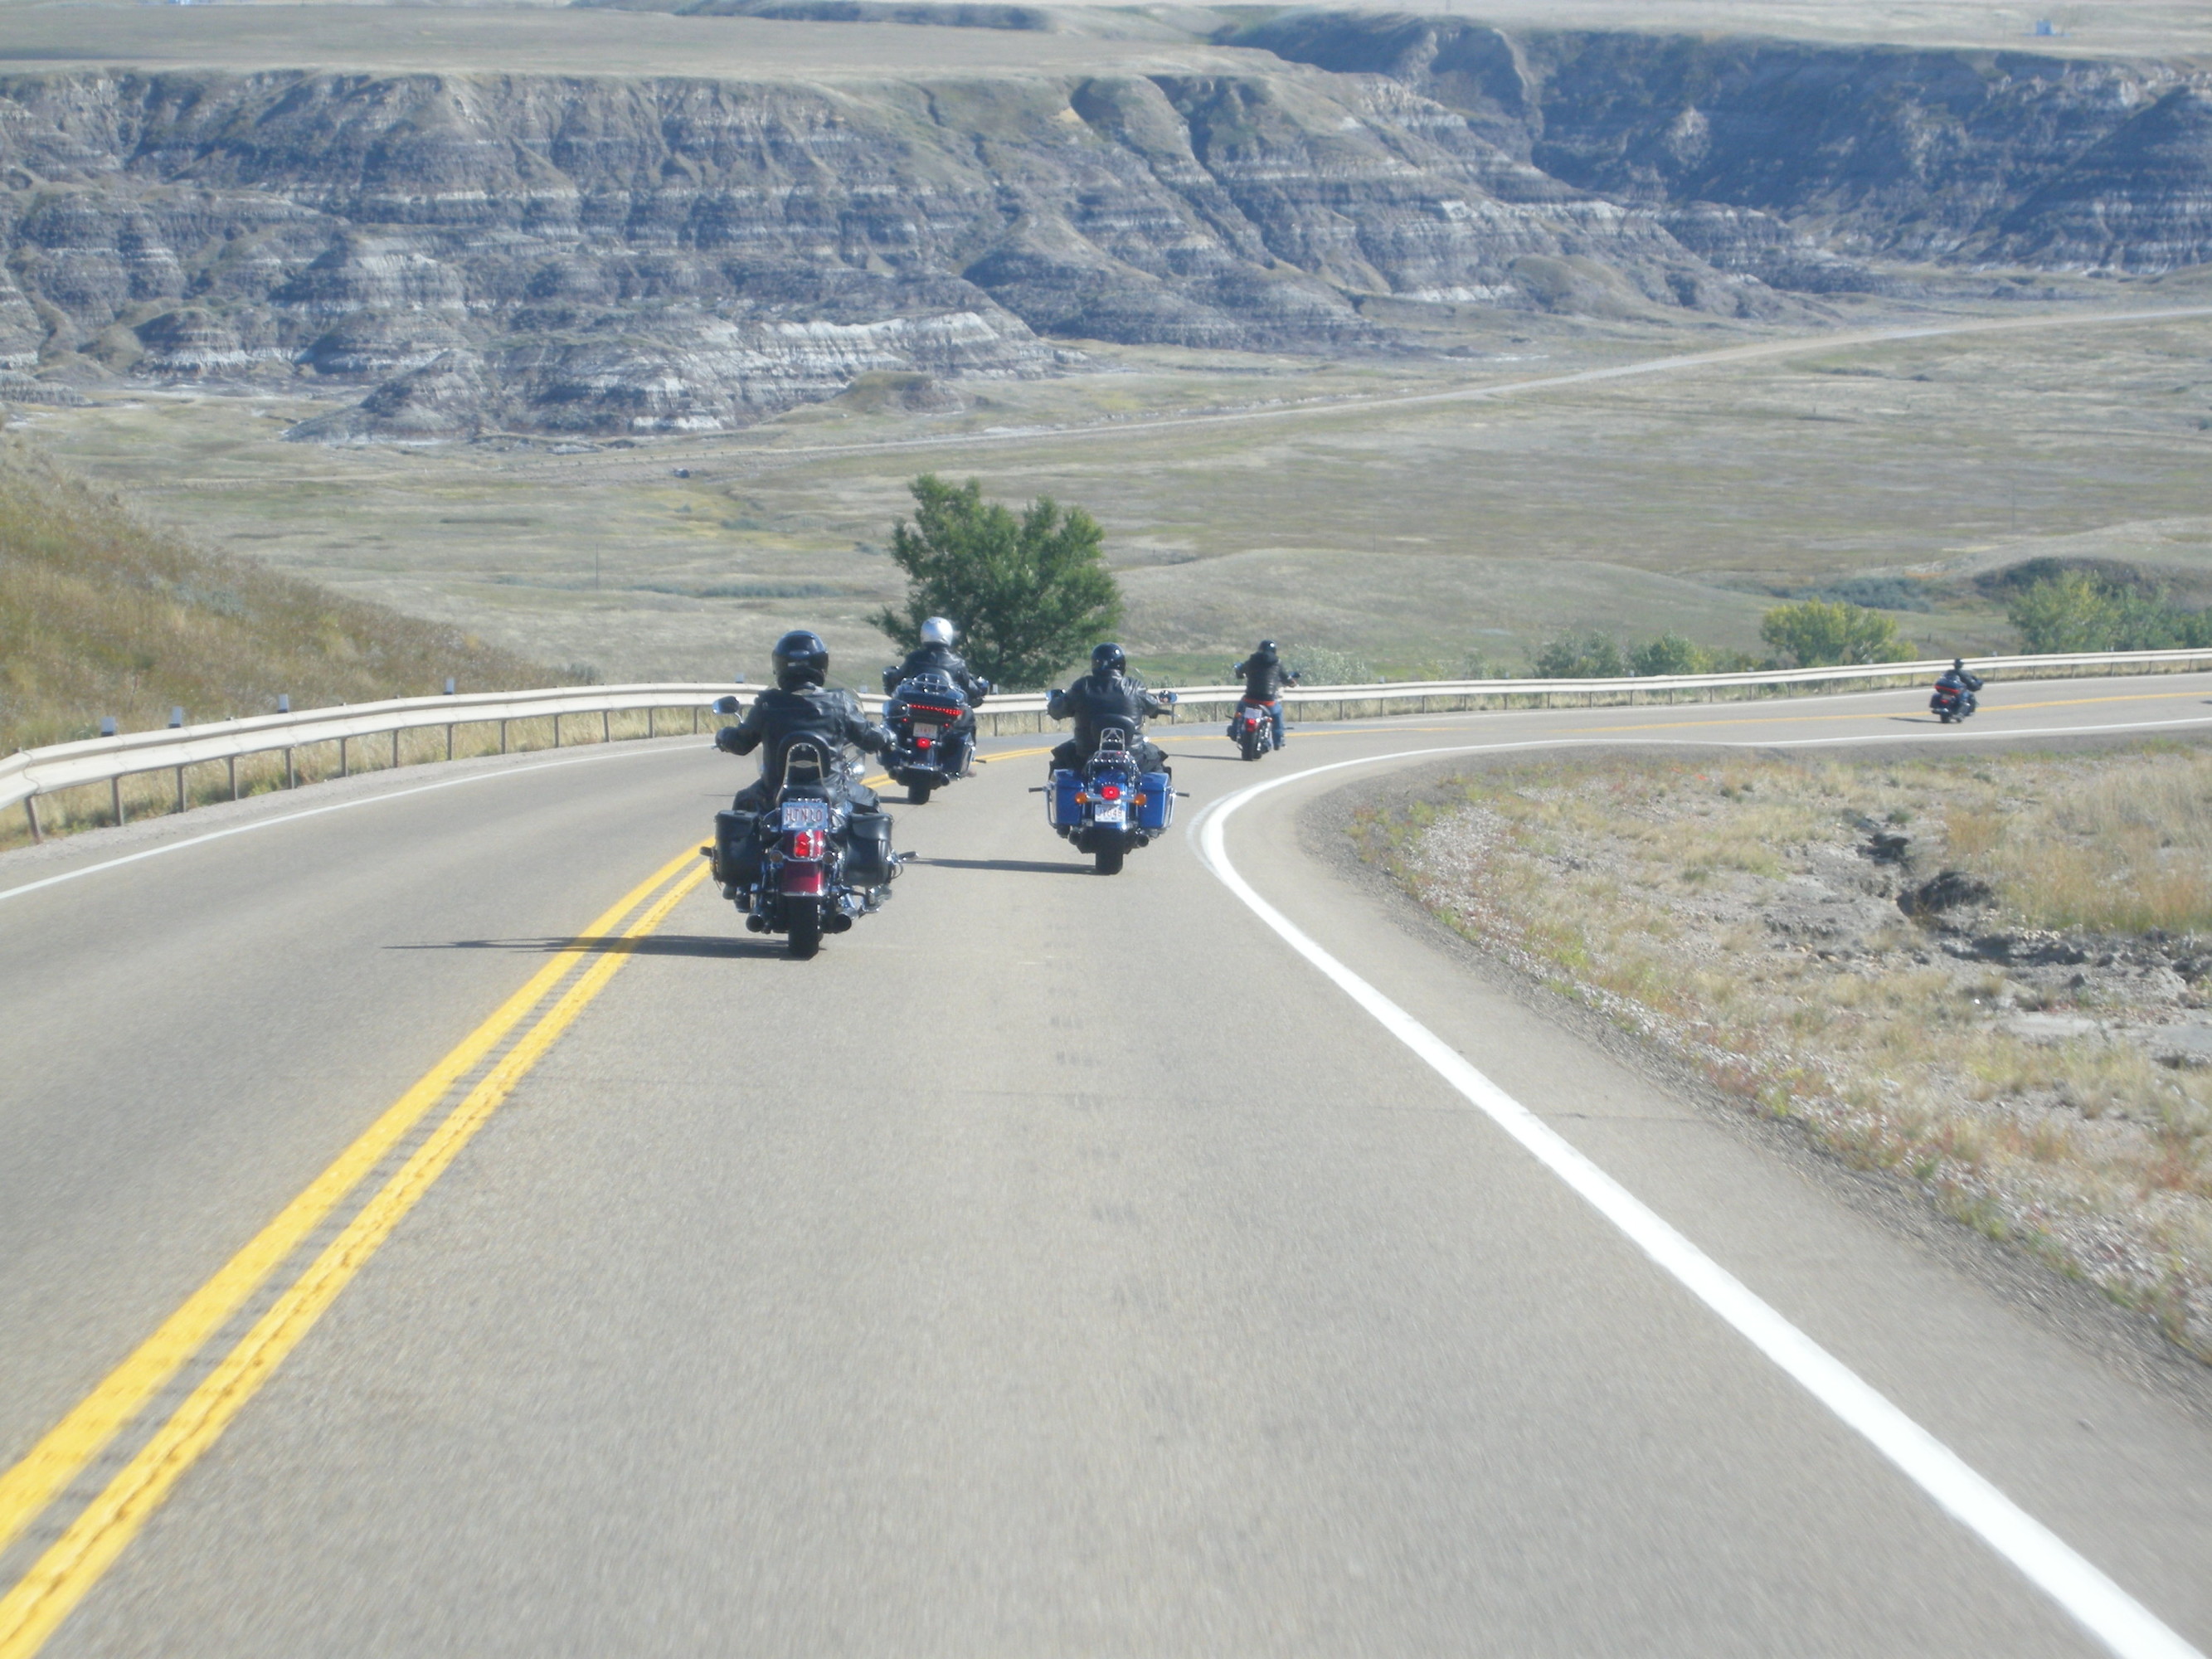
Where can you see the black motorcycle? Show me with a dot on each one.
(933, 735)
(1950, 703)
(810, 865)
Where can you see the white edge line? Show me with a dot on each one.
(378, 799)
(2101, 1606)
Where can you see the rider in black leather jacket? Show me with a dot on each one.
(935, 655)
(1265, 677)
(1106, 696)
(1956, 675)
(801, 705)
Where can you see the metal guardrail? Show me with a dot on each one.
(29, 774)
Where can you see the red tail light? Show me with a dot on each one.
(924, 743)
(1110, 792)
(809, 844)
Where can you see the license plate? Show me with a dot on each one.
(922, 731)
(1110, 814)
(806, 815)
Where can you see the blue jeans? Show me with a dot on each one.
(1274, 714)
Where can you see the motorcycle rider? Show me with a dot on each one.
(935, 655)
(1956, 678)
(801, 705)
(1265, 677)
(1106, 696)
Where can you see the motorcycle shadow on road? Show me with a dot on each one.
(1016, 866)
(654, 945)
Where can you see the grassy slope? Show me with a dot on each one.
(100, 614)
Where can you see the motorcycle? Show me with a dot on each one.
(810, 865)
(1252, 728)
(1950, 703)
(1109, 807)
(931, 742)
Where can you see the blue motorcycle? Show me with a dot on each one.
(1109, 807)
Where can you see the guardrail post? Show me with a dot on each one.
(556, 729)
(115, 795)
(343, 760)
(395, 749)
(291, 777)
(503, 737)
(695, 722)
(182, 805)
(449, 743)
(652, 724)
(30, 811)
(607, 728)
(233, 777)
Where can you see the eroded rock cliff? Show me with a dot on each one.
(661, 255)
(1823, 152)
(588, 255)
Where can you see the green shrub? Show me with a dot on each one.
(1030, 595)
(2079, 610)
(1670, 653)
(1592, 656)
(1818, 633)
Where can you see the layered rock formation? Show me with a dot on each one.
(1820, 154)
(656, 255)
(579, 256)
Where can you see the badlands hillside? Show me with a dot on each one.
(592, 222)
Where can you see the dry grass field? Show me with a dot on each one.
(1991, 976)
(1408, 537)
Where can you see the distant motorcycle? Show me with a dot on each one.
(810, 865)
(1252, 728)
(1950, 703)
(1109, 807)
(933, 735)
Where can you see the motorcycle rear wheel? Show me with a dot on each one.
(917, 794)
(804, 936)
(1107, 860)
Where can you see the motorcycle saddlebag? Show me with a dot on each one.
(1158, 810)
(868, 860)
(737, 848)
(1059, 805)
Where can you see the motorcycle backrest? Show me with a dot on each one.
(806, 763)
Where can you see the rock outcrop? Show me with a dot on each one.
(583, 256)
(1851, 152)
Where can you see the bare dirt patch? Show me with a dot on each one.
(1992, 976)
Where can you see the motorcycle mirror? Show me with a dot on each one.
(725, 705)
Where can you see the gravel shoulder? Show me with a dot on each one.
(1978, 1216)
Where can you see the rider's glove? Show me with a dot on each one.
(726, 740)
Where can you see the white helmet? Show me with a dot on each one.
(937, 631)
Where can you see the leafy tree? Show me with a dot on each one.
(1670, 653)
(2077, 610)
(1816, 633)
(1029, 594)
(1592, 656)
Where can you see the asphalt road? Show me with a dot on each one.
(1054, 1265)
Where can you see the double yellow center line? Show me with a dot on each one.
(61, 1577)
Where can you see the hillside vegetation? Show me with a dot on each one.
(103, 614)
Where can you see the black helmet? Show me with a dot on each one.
(801, 658)
(1957, 662)
(1108, 658)
(1267, 648)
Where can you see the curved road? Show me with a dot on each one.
(1054, 1265)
